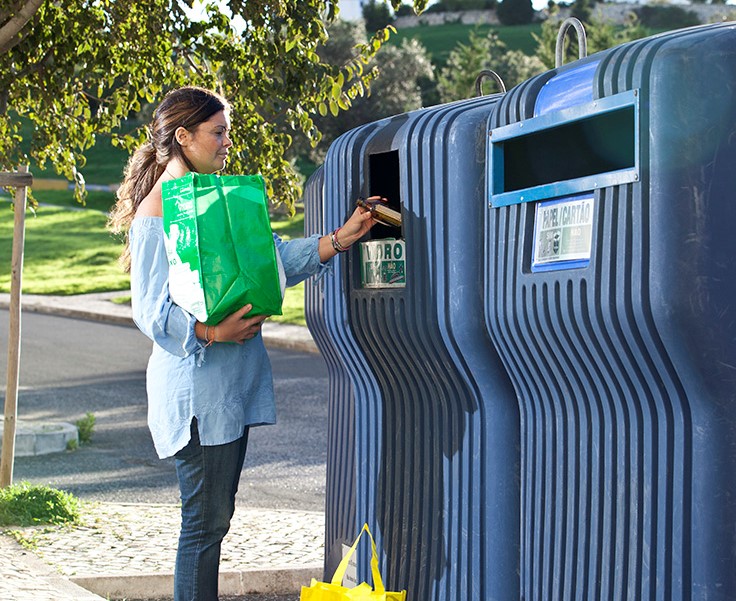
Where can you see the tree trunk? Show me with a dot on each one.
(21, 180)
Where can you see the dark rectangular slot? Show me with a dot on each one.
(384, 180)
(599, 144)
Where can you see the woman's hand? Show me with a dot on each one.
(357, 225)
(236, 327)
(350, 232)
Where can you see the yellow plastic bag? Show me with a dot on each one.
(334, 591)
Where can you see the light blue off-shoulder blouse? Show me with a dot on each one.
(225, 386)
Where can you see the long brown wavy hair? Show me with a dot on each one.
(183, 107)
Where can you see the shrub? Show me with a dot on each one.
(461, 5)
(437, 7)
(85, 427)
(600, 34)
(582, 9)
(466, 61)
(26, 504)
(405, 74)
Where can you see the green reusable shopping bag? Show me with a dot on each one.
(220, 246)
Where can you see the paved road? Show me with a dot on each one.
(70, 367)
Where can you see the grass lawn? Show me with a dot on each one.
(105, 162)
(66, 252)
(96, 200)
(441, 40)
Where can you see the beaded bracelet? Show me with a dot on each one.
(336, 243)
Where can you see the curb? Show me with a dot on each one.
(278, 581)
(63, 184)
(32, 578)
(92, 307)
(32, 438)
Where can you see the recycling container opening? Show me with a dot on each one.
(596, 145)
(384, 180)
(586, 147)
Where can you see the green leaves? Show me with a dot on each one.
(117, 58)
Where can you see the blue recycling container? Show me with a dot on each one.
(610, 286)
(424, 424)
(340, 466)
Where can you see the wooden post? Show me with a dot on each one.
(20, 180)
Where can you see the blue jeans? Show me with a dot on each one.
(208, 480)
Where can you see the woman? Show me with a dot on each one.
(202, 395)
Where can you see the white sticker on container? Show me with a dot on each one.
(563, 233)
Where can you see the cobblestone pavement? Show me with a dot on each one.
(130, 547)
(24, 577)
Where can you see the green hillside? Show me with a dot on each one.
(439, 40)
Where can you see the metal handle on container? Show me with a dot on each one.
(488, 74)
(582, 40)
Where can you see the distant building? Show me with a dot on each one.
(351, 10)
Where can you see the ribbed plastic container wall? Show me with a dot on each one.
(340, 490)
(329, 195)
(623, 360)
(435, 419)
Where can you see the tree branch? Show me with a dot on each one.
(8, 11)
(188, 58)
(34, 67)
(9, 33)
